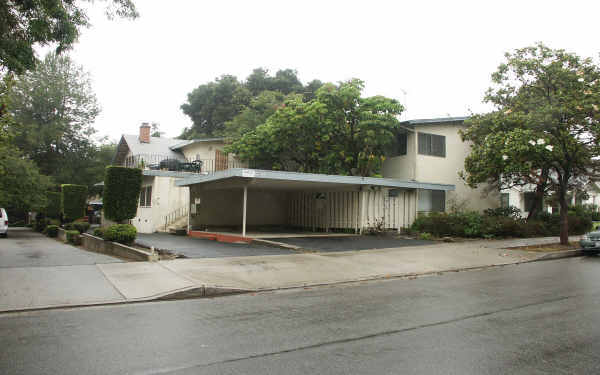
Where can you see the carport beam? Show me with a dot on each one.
(244, 212)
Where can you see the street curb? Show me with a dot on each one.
(215, 291)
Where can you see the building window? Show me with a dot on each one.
(432, 201)
(528, 199)
(401, 144)
(504, 200)
(146, 196)
(432, 144)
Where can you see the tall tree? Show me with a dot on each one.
(256, 113)
(338, 132)
(545, 127)
(54, 107)
(211, 105)
(26, 24)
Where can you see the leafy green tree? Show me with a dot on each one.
(211, 105)
(545, 127)
(339, 132)
(54, 107)
(26, 24)
(122, 188)
(256, 113)
(22, 187)
(73, 200)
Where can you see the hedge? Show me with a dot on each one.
(73, 201)
(121, 233)
(122, 188)
(73, 237)
(81, 226)
(52, 230)
(53, 205)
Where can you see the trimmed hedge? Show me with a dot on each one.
(73, 201)
(122, 188)
(52, 230)
(99, 232)
(73, 237)
(474, 224)
(81, 226)
(53, 205)
(121, 233)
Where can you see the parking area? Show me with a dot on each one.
(333, 244)
(203, 248)
(26, 248)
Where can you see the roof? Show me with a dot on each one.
(263, 178)
(157, 146)
(440, 120)
(182, 144)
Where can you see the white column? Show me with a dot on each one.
(244, 214)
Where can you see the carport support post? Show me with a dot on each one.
(244, 212)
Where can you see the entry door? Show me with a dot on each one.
(220, 160)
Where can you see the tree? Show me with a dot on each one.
(339, 132)
(54, 107)
(256, 113)
(211, 105)
(545, 127)
(73, 201)
(22, 187)
(25, 25)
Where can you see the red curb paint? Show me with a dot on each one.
(219, 237)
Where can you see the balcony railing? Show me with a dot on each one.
(166, 163)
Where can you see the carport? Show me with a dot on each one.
(258, 203)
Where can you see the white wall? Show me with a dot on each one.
(402, 167)
(166, 197)
(443, 170)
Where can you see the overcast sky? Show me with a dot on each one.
(441, 53)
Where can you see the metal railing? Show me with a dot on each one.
(174, 215)
(163, 162)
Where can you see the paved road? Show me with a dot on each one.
(26, 248)
(535, 318)
(203, 248)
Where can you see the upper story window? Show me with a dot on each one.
(399, 147)
(432, 144)
(146, 196)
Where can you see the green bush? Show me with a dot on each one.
(81, 226)
(122, 233)
(99, 232)
(73, 237)
(510, 211)
(52, 230)
(53, 205)
(69, 226)
(40, 224)
(122, 188)
(73, 201)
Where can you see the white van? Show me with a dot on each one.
(3, 222)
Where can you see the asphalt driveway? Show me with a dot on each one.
(25, 248)
(351, 243)
(202, 248)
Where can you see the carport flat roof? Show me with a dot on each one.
(264, 178)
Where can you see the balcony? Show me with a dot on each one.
(166, 163)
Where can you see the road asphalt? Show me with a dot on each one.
(533, 318)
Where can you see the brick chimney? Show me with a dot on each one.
(145, 133)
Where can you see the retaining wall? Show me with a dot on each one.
(98, 245)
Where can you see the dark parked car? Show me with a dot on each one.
(591, 241)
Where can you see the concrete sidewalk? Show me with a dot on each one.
(28, 287)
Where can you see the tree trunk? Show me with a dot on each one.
(564, 217)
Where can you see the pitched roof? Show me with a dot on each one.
(182, 144)
(157, 146)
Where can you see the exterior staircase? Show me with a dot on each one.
(175, 221)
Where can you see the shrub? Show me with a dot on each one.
(53, 205)
(73, 201)
(52, 230)
(41, 224)
(69, 226)
(425, 236)
(510, 211)
(73, 237)
(81, 226)
(122, 188)
(122, 233)
(99, 232)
